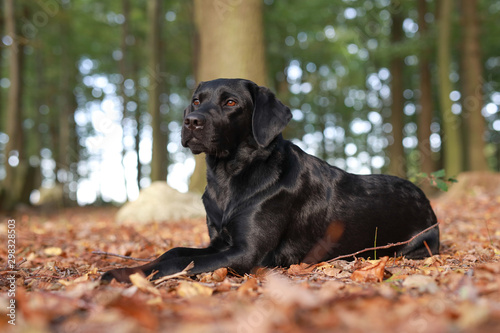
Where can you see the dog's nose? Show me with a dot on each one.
(194, 121)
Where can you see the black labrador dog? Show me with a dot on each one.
(268, 203)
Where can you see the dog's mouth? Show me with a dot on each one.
(209, 147)
(195, 145)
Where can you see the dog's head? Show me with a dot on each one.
(225, 112)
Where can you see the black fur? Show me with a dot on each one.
(270, 204)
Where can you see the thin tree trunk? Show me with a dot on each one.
(137, 115)
(67, 105)
(451, 139)
(231, 44)
(124, 70)
(472, 86)
(2, 25)
(397, 165)
(158, 169)
(426, 112)
(12, 185)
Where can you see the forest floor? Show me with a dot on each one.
(57, 287)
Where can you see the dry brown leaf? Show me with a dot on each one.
(52, 251)
(135, 308)
(301, 269)
(140, 282)
(191, 289)
(329, 270)
(216, 276)
(219, 275)
(282, 291)
(372, 273)
(248, 286)
(492, 267)
(223, 287)
(423, 283)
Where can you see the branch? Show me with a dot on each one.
(385, 246)
(119, 256)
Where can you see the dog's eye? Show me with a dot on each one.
(231, 103)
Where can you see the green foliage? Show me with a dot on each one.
(436, 179)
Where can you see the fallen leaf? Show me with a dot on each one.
(372, 273)
(472, 314)
(330, 289)
(492, 267)
(301, 269)
(223, 287)
(191, 289)
(135, 308)
(144, 285)
(248, 286)
(155, 301)
(423, 283)
(52, 251)
(216, 276)
(282, 291)
(332, 271)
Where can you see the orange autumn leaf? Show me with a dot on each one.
(191, 289)
(301, 269)
(372, 273)
(143, 284)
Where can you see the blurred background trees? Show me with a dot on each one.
(92, 92)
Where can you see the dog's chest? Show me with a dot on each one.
(223, 199)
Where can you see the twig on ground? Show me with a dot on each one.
(181, 273)
(118, 255)
(385, 246)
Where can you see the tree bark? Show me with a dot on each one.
(158, 167)
(472, 93)
(426, 112)
(397, 165)
(451, 139)
(230, 44)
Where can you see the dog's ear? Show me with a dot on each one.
(270, 117)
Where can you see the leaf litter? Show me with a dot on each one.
(58, 288)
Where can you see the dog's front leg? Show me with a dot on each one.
(236, 258)
(122, 274)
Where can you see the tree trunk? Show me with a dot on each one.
(472, 93)
(137, 114)
(426, 112)
(2, 126)
(397, 165)
(450, 122)
(13, 183)
(67, 151)
(124, 71)
(158, 169)
(231, 44)
(66, 94)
